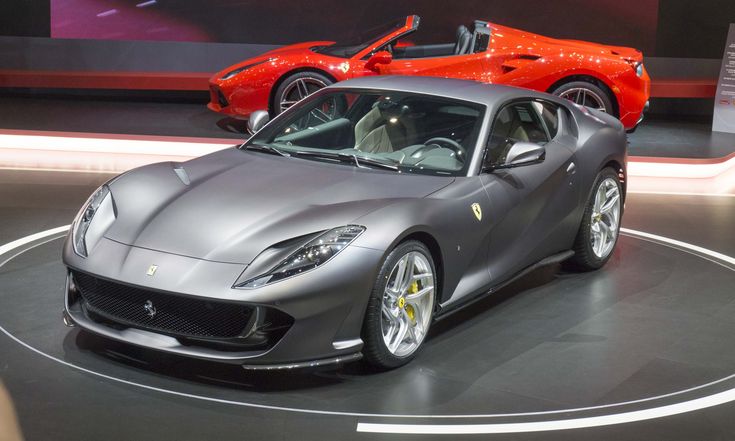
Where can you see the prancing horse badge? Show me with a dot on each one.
(477, 210)
(152, 270)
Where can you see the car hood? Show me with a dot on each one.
(284, 51)
(238, 203)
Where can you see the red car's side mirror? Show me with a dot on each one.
(382, 57)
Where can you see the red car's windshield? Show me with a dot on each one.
(351, 46)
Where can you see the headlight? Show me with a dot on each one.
(639, 69)
(93, 220)
(316, 252)
(232, 73)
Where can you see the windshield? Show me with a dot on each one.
(360, 40)
(405, 132)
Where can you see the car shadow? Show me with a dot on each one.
(233, 125)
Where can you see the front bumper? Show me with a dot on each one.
(326, 306)
(633, 94)
(240, 96)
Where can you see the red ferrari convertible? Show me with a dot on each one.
(608, 78)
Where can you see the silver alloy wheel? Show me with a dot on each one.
(407, 306)
(605, 218)
(298, 90)
(585, 97)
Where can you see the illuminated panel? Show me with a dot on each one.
(682, 176)
(98, 152)
(117, 153)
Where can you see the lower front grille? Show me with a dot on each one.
(162, 312)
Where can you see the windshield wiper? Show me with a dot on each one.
(360, 162)
(266, 149)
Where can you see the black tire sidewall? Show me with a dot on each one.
(374, 350)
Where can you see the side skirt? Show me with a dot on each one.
(551, 260)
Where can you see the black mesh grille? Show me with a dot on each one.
(174, 314)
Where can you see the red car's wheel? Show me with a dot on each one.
(297, 87)
(586, 94)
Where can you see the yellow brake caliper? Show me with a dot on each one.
(413, 289)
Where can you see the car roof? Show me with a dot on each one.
(465, 90)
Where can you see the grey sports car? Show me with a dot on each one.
(345, 226)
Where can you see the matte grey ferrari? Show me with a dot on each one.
(346, 225)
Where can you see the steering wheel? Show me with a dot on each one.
(459, 152)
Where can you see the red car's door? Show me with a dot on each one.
(466, 67)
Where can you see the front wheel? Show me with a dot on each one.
(401, 306)
(297, 87)
(600, 227)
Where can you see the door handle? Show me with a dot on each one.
(572, 168)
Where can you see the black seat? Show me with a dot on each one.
(464, 40)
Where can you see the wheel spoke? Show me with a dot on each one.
(400, 275)
(610, 204)
(392, 293)
(421, 276)
(398, 336)
(412, 334)
(595, 227)
(603, 239)
(407, 273)
(417, 295)
(419, 318)
(388, 313)
(599, 198)
(579, 99)
(302, 89)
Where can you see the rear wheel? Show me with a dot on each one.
(600, 227)
(586, 94)
(401, 307)
(297, 87)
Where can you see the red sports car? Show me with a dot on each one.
(607, 78)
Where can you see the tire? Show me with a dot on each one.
(587, 94)
(587, 256)
(379, 332)
(292, 89)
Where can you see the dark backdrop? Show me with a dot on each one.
(695, 29)
(287, 21)
(663, 28)
(25, 18)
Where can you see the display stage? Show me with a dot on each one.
(646, 339)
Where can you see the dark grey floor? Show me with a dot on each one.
(657, 136)
(655, 320)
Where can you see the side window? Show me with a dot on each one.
(550, 115)
(516, 122)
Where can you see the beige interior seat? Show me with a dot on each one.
(379, 133)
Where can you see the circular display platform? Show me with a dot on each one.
(552, 341)
(652, 328)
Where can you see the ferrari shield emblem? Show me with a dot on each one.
(152, 270)
(477, 210)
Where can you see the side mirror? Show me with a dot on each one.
(381, 57)
(257, 120)
(523, 153)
